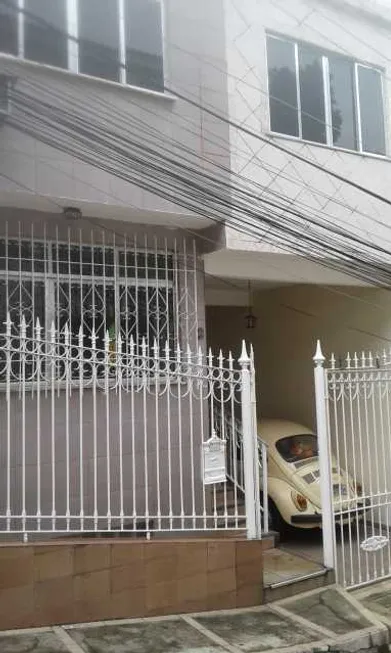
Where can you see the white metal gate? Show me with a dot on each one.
(124, 438)
(354, 429)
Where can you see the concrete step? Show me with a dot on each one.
(286, 574)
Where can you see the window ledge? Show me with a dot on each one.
(106, 83)
(294, 139)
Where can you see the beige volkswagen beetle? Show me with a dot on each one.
(293, 478)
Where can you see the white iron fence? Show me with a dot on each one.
(354, 425)
(124, 438)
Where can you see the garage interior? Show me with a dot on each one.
(288, 322)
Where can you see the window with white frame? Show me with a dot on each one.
(97, 289)
(118, 40)
(324, 98)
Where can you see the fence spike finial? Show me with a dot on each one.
(66, 334)
(230, 360)
(155, 348)
(131, 345)
(319, 359)
(8, 324)
(244, 357)
(80, 336)
(23, 327)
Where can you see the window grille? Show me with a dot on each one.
(141, 291)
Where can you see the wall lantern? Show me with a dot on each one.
(251, 320)
(72, 213)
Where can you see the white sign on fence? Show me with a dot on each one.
(214, 461)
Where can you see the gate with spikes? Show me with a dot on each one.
(353, 399)
(124, 438)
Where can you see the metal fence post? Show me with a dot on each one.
(256, 447)
(250, 450)
(324, 460)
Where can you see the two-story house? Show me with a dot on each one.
(103, 245)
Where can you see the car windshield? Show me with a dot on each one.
(297, 447)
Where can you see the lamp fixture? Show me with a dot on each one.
(72, 213)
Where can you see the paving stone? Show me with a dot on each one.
(258, 631)
(330, 610)
(171, 636)
(32, 643)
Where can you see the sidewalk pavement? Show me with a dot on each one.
(321, 620)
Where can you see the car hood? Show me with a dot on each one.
(306, 479)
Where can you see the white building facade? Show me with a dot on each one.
(311, 77)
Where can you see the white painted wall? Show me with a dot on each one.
(289, 322)
(336, 26)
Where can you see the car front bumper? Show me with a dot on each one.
(306, 520)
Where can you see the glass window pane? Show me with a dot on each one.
(313, 116)
(22, 299)
(89, 306)
(45, 30)
(284, 117)
(22, 256)
(371, 109)
(343, 103)
(99, 38)
(9, 28)
(85, 260)
(144, 44)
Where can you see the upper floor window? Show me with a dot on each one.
(324, 98)
(119, 40)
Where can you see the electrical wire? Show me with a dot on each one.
(28, 107)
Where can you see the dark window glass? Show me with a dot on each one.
(20, 299)
(371, 110)
(343, 109)
(284, 117)
(9, 28)
(144, 44)
(99, 38)
(45, 30)
(147, 313)
(313, 117)
(298, 447)
(85, 260)
(22, 256)
(146, 265)
(91, 307)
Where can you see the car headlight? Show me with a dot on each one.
(300, 501)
